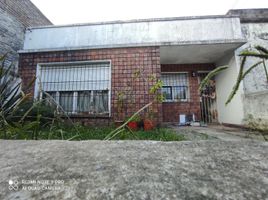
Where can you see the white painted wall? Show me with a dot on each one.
(170, 31)
(252, 97)
(233, 113)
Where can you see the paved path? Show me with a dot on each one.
(217, 132)
(211, 169)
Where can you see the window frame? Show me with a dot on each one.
(37, 81)
(171, 92)
(187, 99)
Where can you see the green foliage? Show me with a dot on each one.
(265, 69)
(261, 54)
(120, 101)
(126, 99)
(241, 75)
(100, 133)
(247, 53)
(48, 111)
(238, 81)
(136, 118)
(161, 134)
(210, 75)
(21, 118)
(251, 68)
(123, 127)
(261, 49)
(11, 98)
(67, 131)
(159, 97)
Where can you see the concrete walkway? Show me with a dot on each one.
(211, 169)
(217, 132)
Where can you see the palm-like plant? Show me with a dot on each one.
(19, 115)
(258, 52)
(11, 96)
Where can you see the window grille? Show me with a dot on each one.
(78, 88)
(175, 86)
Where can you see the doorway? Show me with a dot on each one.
(208, 101)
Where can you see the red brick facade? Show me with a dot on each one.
(172, 110)
(125, 62)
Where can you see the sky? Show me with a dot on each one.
(85, 11)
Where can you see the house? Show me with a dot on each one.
(15, 17)
(88, 68)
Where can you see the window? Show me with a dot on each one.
(79, 88)
(66, 101)
(175, 86)
(167, 92)
(92, 102)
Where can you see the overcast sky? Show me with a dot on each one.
(83, 11)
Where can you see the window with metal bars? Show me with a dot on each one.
(77, 87)
(175, 86)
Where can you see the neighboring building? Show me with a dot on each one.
(89, 69)
(16, 16)
(254, 24)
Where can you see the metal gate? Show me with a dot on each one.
(208, 103)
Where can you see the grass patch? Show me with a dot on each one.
(93, 133)
(204, 136)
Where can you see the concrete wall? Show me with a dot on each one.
(157, 32)
(233, 113)
(255, 84)
(252, 97)
(15, 16)
(257, 15)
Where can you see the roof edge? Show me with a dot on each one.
(252, 15)
(235, 41)
(136, 21)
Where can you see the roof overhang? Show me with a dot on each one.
(166, 33)
(197, 53)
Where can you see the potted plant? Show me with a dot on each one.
(126, 99)
(134, 123)
(148, 123)
(121, 108)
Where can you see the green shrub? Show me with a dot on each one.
(21, 118)
(47, 111)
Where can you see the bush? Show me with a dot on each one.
(19, 117)
(48, 112)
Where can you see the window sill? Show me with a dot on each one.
(176, 101)
(91, 116)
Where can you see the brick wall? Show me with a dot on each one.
(125, 62)
(15, 16)
(172, 110)
(25, 12)
(11, 35)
